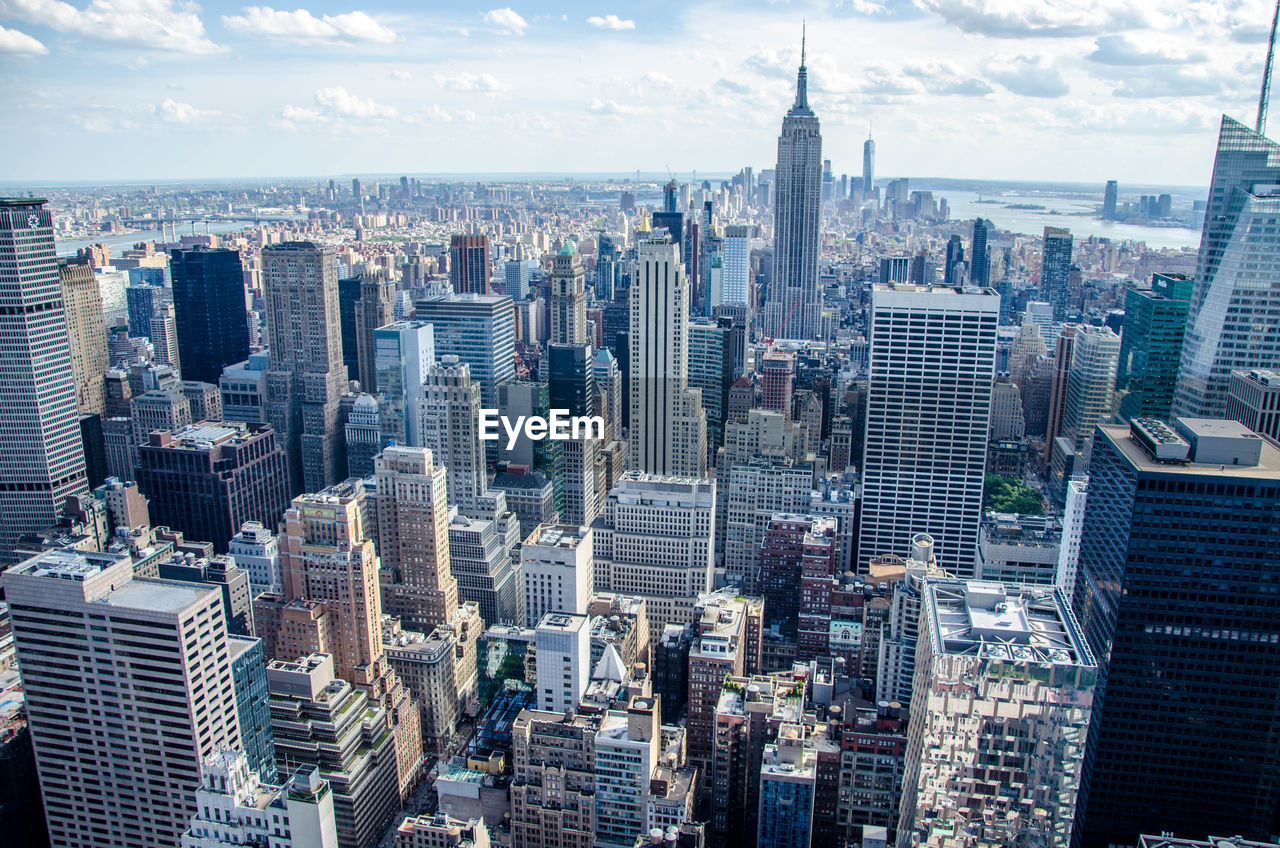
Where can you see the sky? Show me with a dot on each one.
(1067, 90)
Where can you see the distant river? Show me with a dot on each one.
(1078, 214)
(119, 243)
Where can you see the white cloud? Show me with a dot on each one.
(610, 22)
(612, 107)
(433, 114)
(466, 81)
(1044, 18)
(400, 74)
(302, 26)
(1027, 76)
(172, 112)
(12, 41)
(100, 123)
(506, 20)
(339, 101)
(653, 79)
(156, 24)
(1128, 50)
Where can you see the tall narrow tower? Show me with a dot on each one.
(868, 164)
(44, 460)
(568, 298)
(795, 302)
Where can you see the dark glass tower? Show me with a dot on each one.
(209, 309)
(1155, 321)
(1178, 592)
(348, 297)
(979, 258)
(1055, 269)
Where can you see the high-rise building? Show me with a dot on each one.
(668, 427)
(413, 538)
(1253, 399)
(736, 280)
(403, 353)
(954, 269)
(794, 309)
(1090, 387)
(362, 433)
(374, 309)
(469, 264)
(608, 380)
(996, 662)
(450, 427)
(1064, 352)
(307, 376)
(348, 297)
(209, 479)
(480, 331)
(568, 297)
(45, 462)
(778, 373)
(788, 785)
(86, 334)
(1072, 527)
(655, 540)
(1236, 273)
(1198, 503)
(711, 372)
(979, 254)
(1055, 268)
(563, 643)
(727, 640)
(483, 558)
(164, 338)
(515, 273)
(236, 805)
(141, 303)
(1109, 196)
(868, 166)
(209, 307)
(928, 416)
(1155, 323)
(557, 566)
(104, 656)
(256, 550)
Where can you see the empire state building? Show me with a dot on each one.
(794, 308)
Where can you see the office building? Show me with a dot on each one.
(515, 273)
(480, 331)
(655, 540)
(899, 633)
(236, 805)
(557, 567)
(253, 708)
(256, 550)
(1195, 504)
(450, 427)
(403, 353)
(442, 831)
(1063, 354)
(413, 538)
(1072, 528)
(608, 379)
(86, 336)
(788, 785)
(794, 308)
(374, 309)
(307, 377)
(668, 427)
(469, 264)
(1109, 197)
(362, 433)
(996, 662)
(726, 642)
(1019, 549)
(348, 297)
(439, 669)
(324, 724)
(868, 166)
(932, 361)
(482, 555)
(563, 643)
(751, 492)
(711, 371)
(243, 387)
(208, 480)
(143, 302)
(777, 374)
(1090, 387)
(1155, 322)
(1253, 399)
(209, 310)
(979, 254)
(46, 461)
(568, 297)
(1234, 273)
(103, 654)
(1055, 268)
(736, 280)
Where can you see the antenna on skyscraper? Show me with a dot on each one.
(1261, 125)
(804, 33)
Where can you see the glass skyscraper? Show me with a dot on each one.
(1178, 592)
(209, 310)
(1155, 321)
(480, 330)
(1234, 317)
(1055, 269)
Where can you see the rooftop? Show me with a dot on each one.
(159, 595)
(1267, 468)
(1003, 622)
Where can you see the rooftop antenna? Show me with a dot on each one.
(1261, 125)
(804, 33)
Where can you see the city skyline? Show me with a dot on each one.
(448, 87)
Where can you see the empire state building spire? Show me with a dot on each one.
(801, 106)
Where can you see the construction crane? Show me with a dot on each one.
(1261, 125)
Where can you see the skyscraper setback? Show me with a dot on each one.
(794, 309)
(44, 459)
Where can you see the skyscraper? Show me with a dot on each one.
(374, 309)
(413, 537)
(209, 309)
(568, 297)
(469, 264)
(668, 427)
(307, 377)
(1186, 676)
(450, 427)
(736, 278)
(86, 334)
(1090, 387)
(403, 351)
(794, 309)
(996, 662)
(1232, 322)
(868, 165)
(1055, 268)
(1155, 324)
(1109, 197)
(480, 331)
(1064, 349)
(126, 679)
(954, 270)
(927, 420)
(44, 461)
(979, 256)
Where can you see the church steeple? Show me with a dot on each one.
(802, 78)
